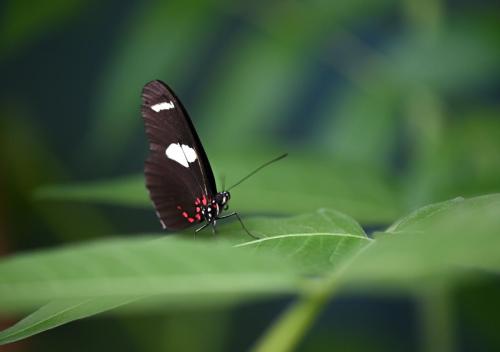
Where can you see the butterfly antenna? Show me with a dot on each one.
(223, 181)
(257, 170)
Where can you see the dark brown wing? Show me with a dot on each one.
(171, 195)
(177, 170)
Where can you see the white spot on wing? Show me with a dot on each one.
(166, 105)
(183, 155)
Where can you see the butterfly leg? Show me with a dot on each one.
(241, 222)
(213, 227)
(201, 228)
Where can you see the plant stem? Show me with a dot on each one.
(436, 320)
(292, 325)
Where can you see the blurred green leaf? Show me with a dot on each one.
(175, 268)
(57, 313)
(360, 126)
(255, 83)
(419, 215)
(442, 64)
(261, 76)
(25, 20)
(363, 120)
(440, 242)
(156, 44)
(89, 279)
(266, 74)
(455, 240)
(461, 159)
(25, 172)
(126, 191)
(297, 184)
(213, 329)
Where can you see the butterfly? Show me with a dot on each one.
(178, 175)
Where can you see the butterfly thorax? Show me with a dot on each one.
(211, 211)
(215, 206)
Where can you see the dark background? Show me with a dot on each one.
(389, 105)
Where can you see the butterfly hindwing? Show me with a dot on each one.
(168, 193)
(177, 170)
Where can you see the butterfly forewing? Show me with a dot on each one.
(177, 170)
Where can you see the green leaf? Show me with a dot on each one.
(415, 218)
(453, 238)
(441, 216)
(315, 252)
(297, 184)
(126, 191)
(84, 280)
(57, 313)
(317, 242)
(449, 241)
(178, 269)
(322, 221)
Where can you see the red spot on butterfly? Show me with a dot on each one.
(191, 219)
(179, 207)
(198, 217)
(204, 200)
(185, 214)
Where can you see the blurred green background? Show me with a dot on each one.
(384, 106)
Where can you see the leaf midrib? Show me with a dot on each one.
(278, 237)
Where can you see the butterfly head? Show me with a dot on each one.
(222, 198)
